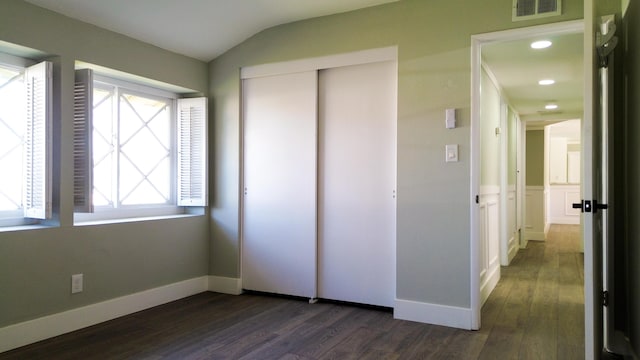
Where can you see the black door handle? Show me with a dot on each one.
(597, 206)
(585, 206)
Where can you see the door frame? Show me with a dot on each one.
(477, 41)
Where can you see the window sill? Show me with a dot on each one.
(26, 227)
(136, 219)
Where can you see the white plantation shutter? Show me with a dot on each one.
(37, 142)
(82, 144)
(192, 152)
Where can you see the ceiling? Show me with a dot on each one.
(202, 29)
(518, 68)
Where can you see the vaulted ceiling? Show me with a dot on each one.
(202, 29)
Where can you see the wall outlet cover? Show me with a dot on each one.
(77, 283)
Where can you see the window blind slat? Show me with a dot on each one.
(82, 141)
(38, 142)
(192, 152)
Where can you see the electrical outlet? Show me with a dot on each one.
(76, 283)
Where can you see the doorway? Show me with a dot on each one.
(505, 63)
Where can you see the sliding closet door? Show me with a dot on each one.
(357, 181)
(279, 171)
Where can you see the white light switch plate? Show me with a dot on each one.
(450, 118)
(77, 283)
(451, 153)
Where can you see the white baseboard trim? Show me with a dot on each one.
(487, 287)
(435, 314)
(534, 235)
(513, 249)
(225, 285)
(565, 220)
(28, 332)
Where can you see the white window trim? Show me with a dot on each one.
(15, 61)
(140, 88)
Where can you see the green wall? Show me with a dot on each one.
(535, 158)
(117, 259)
(434, 73)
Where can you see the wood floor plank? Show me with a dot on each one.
(535, 312)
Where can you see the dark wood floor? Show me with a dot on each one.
(535, 312)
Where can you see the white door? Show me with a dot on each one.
(279, 189)
(590, 233)
(357, 180)
(604, 169)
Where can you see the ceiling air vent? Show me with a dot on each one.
(533, 9)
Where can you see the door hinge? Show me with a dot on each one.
(477, 199)
(605, 298)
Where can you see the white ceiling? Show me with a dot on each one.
(518, 68)
(202, 29)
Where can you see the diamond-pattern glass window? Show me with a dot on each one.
(12, 129)
(132, 154)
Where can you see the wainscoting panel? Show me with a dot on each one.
(489, 240)
(513, 244)
(534, 213)
(561, 197)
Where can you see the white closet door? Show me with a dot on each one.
(279, 208)
(357, 180)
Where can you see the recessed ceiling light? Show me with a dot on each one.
(551, 106)
(542, 44)
(546, 82)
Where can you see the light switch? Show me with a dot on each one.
(451, 153)
(450, 118)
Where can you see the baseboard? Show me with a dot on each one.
(513, 249)
(225, 285)
(28, 332)
(435, 314)
(534, 235)
(565, 220)
(490, 284)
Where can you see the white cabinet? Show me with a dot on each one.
(319, 170)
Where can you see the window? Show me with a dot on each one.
(25, 143)
(136, 147)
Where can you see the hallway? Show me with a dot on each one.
(537, 309)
